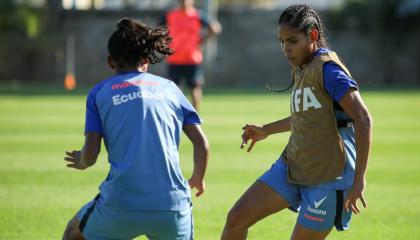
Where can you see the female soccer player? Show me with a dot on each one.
(140, 116)
(322, 170)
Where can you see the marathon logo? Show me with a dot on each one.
(136, 83)
(118, 99)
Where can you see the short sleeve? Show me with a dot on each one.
(93, 119)
(190, 114)
(336, 81)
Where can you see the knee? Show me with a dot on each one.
(235, 220)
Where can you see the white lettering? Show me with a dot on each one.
(118, 99)
(297, 99)
(132, 96)
(292, 109)
(309, 99)
(124, 98)
(316, 211)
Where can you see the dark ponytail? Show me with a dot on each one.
(304, 18)
(133, 42)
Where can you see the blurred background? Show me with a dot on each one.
(40, 40)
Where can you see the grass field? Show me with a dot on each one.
(38, 194)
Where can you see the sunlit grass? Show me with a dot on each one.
(38, 194)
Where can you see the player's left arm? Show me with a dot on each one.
(354, 106)
(88, 155)
(201, 155)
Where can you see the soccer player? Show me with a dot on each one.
(140, 116)
(186, 24)
(323, 168)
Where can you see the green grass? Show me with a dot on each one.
(38, 194)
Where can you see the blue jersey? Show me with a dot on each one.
(140, 117)
(336, 84)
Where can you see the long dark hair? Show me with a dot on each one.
(304, 18)
(133, 42)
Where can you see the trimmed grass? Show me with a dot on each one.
(38, 194)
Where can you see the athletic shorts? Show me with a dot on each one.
(192, 74)
(319, 209)
(97, 221)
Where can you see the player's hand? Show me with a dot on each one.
(74, 159)
(356, 192)
(198, 184)
(254, 133)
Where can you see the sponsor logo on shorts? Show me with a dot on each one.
(317, 204)
(118, 99)
(316, 211)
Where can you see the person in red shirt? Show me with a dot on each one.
(189, 28)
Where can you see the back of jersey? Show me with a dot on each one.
(141, 116)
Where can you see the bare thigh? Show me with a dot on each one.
(258, 202)
(302, 233)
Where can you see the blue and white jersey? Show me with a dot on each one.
(140, 117)
(337, 83)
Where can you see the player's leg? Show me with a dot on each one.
(320, 211)
(258, 202)
(78, 226)
(302, 233)
(195, 81)
(271, 193)
(72, 231)
(197, 96)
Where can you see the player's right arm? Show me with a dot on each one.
(88, 155)
(201, 154)
(93, 136)
(257, 133)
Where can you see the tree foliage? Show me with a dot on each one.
(19, 18)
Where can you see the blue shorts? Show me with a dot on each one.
(319, 209)
(97, 221)
(192, 74)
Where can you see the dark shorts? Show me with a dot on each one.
(192, 74)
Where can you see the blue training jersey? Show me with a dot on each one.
(140, 117)
(336, 84)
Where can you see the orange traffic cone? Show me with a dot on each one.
(70, 82)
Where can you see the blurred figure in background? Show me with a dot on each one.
(189, 28)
